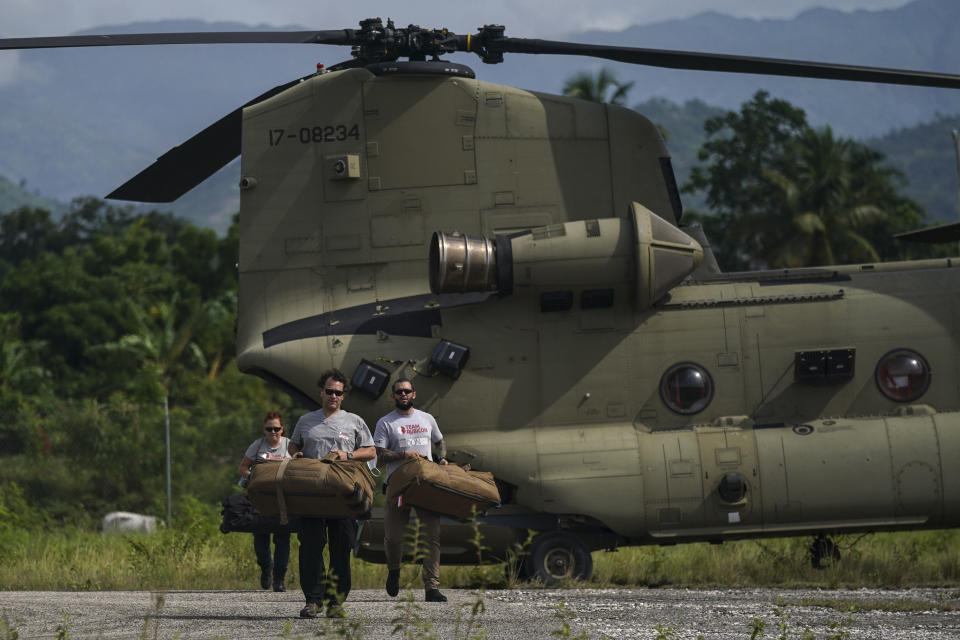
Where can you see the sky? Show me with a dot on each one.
(523, 18)
(25, 18)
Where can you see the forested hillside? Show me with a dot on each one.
(927, 156)
(924, 153)
(101, 312)
(682, 129)
(13, 196)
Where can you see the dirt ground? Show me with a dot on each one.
(521, 614)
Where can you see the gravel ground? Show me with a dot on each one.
(513, 615)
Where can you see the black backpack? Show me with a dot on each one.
(239, 515)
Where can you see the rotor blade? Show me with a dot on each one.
(336, 36)
(933, 235)
(728, 63)
(187, 165)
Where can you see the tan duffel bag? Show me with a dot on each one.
(324, 488)
(445, 489)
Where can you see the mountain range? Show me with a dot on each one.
(81, 122)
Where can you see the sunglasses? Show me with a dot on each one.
(333, 392)
(273, 429)
(403, 392)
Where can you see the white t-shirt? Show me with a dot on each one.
(414, 432)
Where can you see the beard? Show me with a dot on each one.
(404, 404)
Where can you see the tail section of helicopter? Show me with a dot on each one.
(347, 175)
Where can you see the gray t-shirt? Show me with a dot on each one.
(413, 432)
(316, 434)
(261, 450)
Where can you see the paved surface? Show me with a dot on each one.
(514, 615)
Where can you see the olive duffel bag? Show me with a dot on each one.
(449, 490)
(324, 488)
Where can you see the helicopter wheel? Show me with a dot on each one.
(823, 552)
(557, 556)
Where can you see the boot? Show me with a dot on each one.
(393, 582)
(278, 582)
(265, 576)
(434, 595)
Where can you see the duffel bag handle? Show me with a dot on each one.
(278, 484)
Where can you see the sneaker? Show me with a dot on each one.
(393, 582)
(265, 578)
(434, 595)
(312, 610)
(335, 611)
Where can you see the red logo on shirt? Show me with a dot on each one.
(412, 428)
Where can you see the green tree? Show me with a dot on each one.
(73, 300)
(602, 87)
(24, 384)
(784, 194)
(26, 233)
(739, 146)
(162, 348)
(826, 203)
(21, 369)
(82, 429)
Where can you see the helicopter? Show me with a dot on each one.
(522, 257)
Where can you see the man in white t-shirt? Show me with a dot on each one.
(406, 433)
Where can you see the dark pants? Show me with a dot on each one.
(281, 553)
(314, 534)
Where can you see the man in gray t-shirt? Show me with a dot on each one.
(318, 434)
(329, 430)
(402, 434)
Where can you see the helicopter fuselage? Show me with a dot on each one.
(730, 405)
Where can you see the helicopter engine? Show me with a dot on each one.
(644, 249)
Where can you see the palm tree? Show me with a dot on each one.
(830, 190)
(163, 347)
(596, 88)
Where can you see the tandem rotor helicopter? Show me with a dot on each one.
(522, 257)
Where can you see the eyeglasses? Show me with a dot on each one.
(273, 429)
(403, 392)
(333, 392)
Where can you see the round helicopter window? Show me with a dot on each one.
(686, 388)
(903, 375)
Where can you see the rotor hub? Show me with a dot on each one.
(376, 42)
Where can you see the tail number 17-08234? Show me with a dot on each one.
(310, 135)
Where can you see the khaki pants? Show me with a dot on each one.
(394, 532)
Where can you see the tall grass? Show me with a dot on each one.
(197, 556)
(901, 559)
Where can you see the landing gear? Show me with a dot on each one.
(557, 556)
(823, 552)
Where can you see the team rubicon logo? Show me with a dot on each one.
(412, 428)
